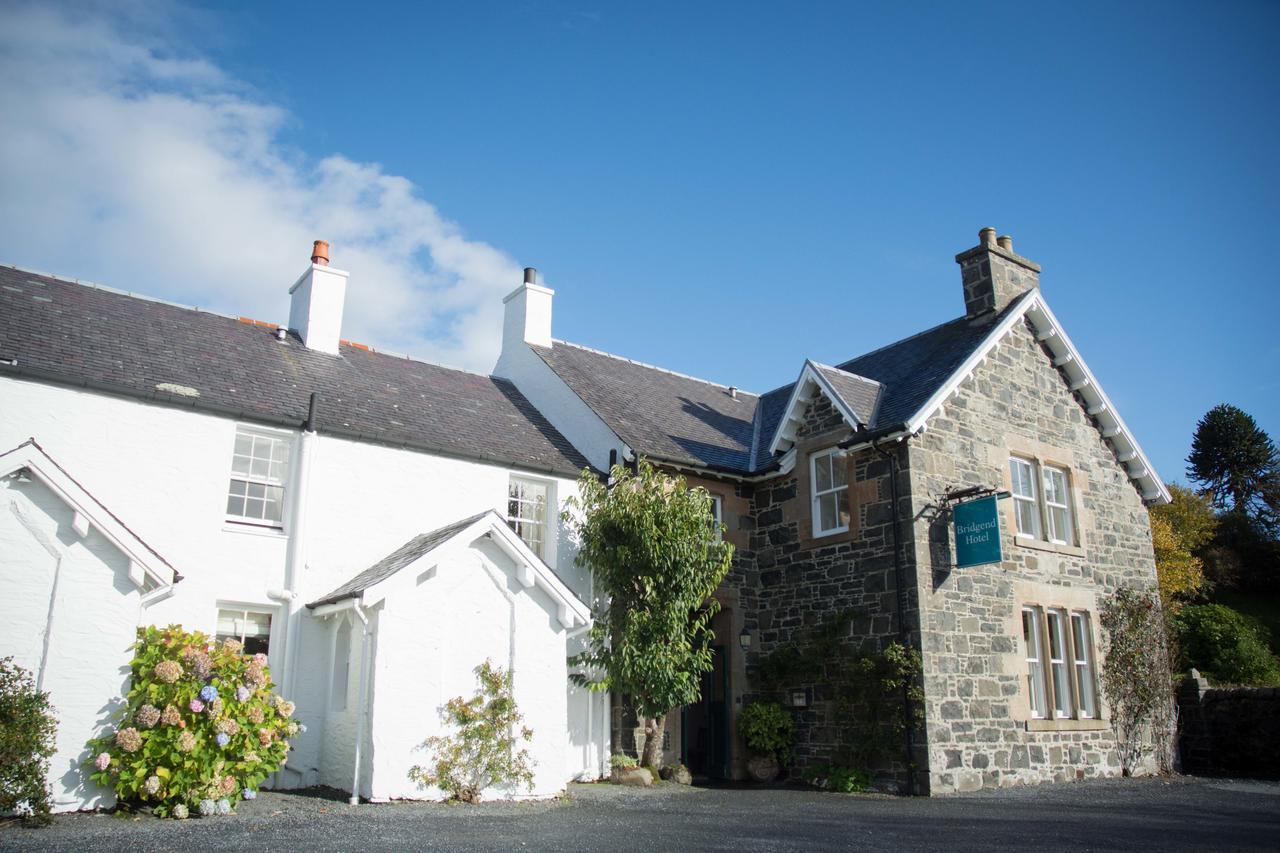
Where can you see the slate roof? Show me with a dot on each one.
(859, 393)
(85, 335)
(659, 413)
(397, 560)
(690, 421)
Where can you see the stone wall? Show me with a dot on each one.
(1228, 731)
(980, 730)
(805, 581)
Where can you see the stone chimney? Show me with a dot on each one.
(993, 275)
(316, 300)
(527, 314)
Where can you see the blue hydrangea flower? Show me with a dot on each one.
(207, 808)
(223, 739)
(243, 693)
(223, 807)
(250, 794)
(208, 693)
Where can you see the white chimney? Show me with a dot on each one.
(315, 307)
(527, 314)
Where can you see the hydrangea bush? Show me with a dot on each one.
(202, 728)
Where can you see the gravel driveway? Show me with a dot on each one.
(1146, 814)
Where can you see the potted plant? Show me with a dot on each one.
(768, 730)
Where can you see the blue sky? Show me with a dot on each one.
(721, 189)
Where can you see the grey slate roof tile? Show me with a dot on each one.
(858, 393)
(658, 413)
(90, 336)
(397, 560)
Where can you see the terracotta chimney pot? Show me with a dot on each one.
(320, 253)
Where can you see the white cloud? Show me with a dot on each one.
(149, 169)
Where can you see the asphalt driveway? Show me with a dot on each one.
(1145, 814)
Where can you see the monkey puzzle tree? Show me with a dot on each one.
(653, 547)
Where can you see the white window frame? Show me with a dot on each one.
(1019, 498)
(269, 481)
(717, 514)
(236, 607)
(544, 549)
(1059, 675)
(1085, 685)
(1051, 526)
(841, 492)
(1035, 660)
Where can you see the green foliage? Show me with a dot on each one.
(189, 692)
(833, 777)
(1225, 645)
(484, 751)
(867, 688)
(768, 729)
(27, 729)
(1179, 529)
(1136, 676)
(651, 544)
(1237, 466)
(622, 761)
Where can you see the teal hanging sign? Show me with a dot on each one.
(977, 532)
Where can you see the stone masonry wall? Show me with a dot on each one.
(1233, 731)
(980, 732)
(805, 581)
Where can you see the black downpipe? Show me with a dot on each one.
(899, 574)
(310, 425)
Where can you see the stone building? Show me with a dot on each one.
(996, 401)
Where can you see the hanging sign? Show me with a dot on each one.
(977, 532)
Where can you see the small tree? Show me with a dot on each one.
(27, 729)
(1137, 677)
(653, 548)
(484, 751)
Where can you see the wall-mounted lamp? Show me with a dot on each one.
(744, 640)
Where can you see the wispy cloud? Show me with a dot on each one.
(143, 165)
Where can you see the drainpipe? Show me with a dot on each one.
(296, 550)
(899, 574)
(362, 717)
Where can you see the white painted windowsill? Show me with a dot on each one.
(254, 530)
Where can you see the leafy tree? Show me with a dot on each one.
(484, 750)
(652, 546)
(1179, 530)
(1237, 466)
(1225, 645)
(27, 730)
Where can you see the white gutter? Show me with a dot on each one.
(362, 712)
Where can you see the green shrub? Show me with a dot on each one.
(768, 729)
(201, 728)
(1225, 645)
(622, 761)
(832, 777)
(482, 752)
(27, 728)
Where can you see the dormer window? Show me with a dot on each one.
(829, 487)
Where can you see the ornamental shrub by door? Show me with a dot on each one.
(201, 730)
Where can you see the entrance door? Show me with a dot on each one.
(704, 725)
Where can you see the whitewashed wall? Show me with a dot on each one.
(74, 595)
(165, 471)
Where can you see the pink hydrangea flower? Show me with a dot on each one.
(196, 706)
(148, 716)
(168, 671)
(170, 717)
(103, 761)
(130, 739)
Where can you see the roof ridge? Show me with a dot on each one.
(238, 317)
(866, 379)
(655, 367)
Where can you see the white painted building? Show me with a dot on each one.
(272, 469)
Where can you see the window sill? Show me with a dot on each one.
(254, 530)
(1066, 725)
(1051, 547)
